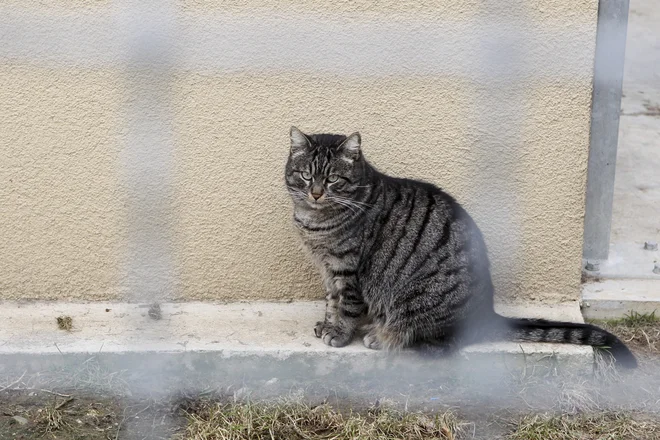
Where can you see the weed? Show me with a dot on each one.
(634, 319)
(638, 330)
(602, 426)
(296, 420)
(65, 323)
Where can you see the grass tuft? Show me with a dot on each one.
(640, 331)
(52, 419)
(296, 420)
(634, 319)
(602, 426)
(578, 396)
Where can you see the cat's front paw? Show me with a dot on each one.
(332, 335)
(318, 329)
(371, 341)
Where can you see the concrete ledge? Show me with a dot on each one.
(627, 260)
(613, 298)
(247, 342)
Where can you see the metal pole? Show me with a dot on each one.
(606, 105)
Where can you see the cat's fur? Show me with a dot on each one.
(401, 258)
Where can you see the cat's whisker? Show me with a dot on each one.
(346, 202)
(297, 193)
(354, 202)
(343, 203)
(352, 207)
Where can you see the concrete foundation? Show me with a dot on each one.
(611, 299)
(629, 281)
(195, 344)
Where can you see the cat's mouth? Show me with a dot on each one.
(316, 204)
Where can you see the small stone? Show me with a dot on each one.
(651, 245)
(20, 420)
(155, 312)
(592, 266)
(656, 269)
(273, 381)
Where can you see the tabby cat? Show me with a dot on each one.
(401, 260)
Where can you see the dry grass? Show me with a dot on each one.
(296, 420)
(52, 419)
(50, 416)
(603, 426)
(602, 407)
(578, 396)
(65, 323)
(89, 377)
(76, 403)
(73, 403)
(640, 331)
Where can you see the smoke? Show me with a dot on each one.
(493, 46)
(146, 169)
(147, 154)
(149, 42)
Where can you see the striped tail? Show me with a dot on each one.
(540, 330)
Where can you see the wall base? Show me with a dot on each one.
(194, 346)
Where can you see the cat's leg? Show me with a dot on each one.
(385, 336)
(331, 304)
(344, 310)
(438, 347)
(331, 312)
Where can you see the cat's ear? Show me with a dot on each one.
(352, 145)
(299, 141)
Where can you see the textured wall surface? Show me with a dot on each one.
(142, 145)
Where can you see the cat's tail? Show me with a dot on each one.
(540, 330)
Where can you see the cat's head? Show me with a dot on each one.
(324, 170)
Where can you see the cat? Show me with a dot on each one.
(401, 260)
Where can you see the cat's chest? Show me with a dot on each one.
(328, 252)
(334, 248)
(319, 249)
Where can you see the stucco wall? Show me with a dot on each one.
(123, 179)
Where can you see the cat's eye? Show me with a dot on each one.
(305, 175)
(332, 178)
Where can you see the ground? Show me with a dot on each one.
(637, 187)
(608, 404)
(636, 205)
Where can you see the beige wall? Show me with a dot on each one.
(426, 86)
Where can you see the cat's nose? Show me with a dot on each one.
(317, 195)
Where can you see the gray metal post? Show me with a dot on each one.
(606, 105)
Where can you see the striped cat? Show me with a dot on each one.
(401, 259)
